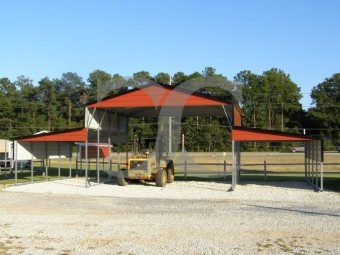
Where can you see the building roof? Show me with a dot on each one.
(244, 134)
(159, 100)
(71, 135)
(149, 100)
(156, 95)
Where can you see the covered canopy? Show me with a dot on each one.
(106, 120)
(162, 100)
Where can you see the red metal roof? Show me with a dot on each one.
(156, 95)
(261, 135)
(72, 135)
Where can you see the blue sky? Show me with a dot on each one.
(48, 38)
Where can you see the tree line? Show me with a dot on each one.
(270, 100)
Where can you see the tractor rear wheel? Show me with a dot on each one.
(170, 176)
(161, 178)
(120, 179)
(170, 170)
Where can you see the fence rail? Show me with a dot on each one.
(220, 170)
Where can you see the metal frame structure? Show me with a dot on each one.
(314, 164)
(313, 151)
(107, 121)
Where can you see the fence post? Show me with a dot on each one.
(321, 176)
(265, 170)
(225, 170)
(185, 170)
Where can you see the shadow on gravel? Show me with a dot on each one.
(294, 210)
(131, 182)
(302, 185)
(294, 183)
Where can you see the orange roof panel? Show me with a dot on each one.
(72, 135)
(156, 96)
(262, 135)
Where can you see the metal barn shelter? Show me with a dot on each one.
(107, 121)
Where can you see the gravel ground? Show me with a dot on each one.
(63, 217)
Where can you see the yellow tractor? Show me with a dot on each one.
(149, 167)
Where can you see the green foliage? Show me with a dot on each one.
(48, 97)
(326, 112)
(269, 100)
(69, 89)
(99, 86)
(143, 74)
(178, 78)
(162, 78)
(208, 134)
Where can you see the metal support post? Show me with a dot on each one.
(46, 158)
(86, 160)
(225, 170)
(70, 161)
(32, 177)
(182, 143)
(233, 175)
(6, 158)
(265, 170)
(170, 134)
(98, 155)
(321, 173)
(59, 158)
(15, 144)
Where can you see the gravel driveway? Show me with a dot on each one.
(63, 217)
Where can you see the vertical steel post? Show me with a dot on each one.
(70, 160)
(265, 170)
(46, 158)
(316, 165)
(59, 158)
(81, 159)
(98, 153)
(15, 144)
(118, 163)
(170, 134)
(77, 158)
(321, 181)
(86, 159)
(313, 161)
(224, 170)
(233, 175)
(32, 177)
(88, 122)
(110, 159)
(127, 139)
(182, 143)
(109, 144)
(306, 151)
(6, 158)
(309, 163)
(238, 153)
